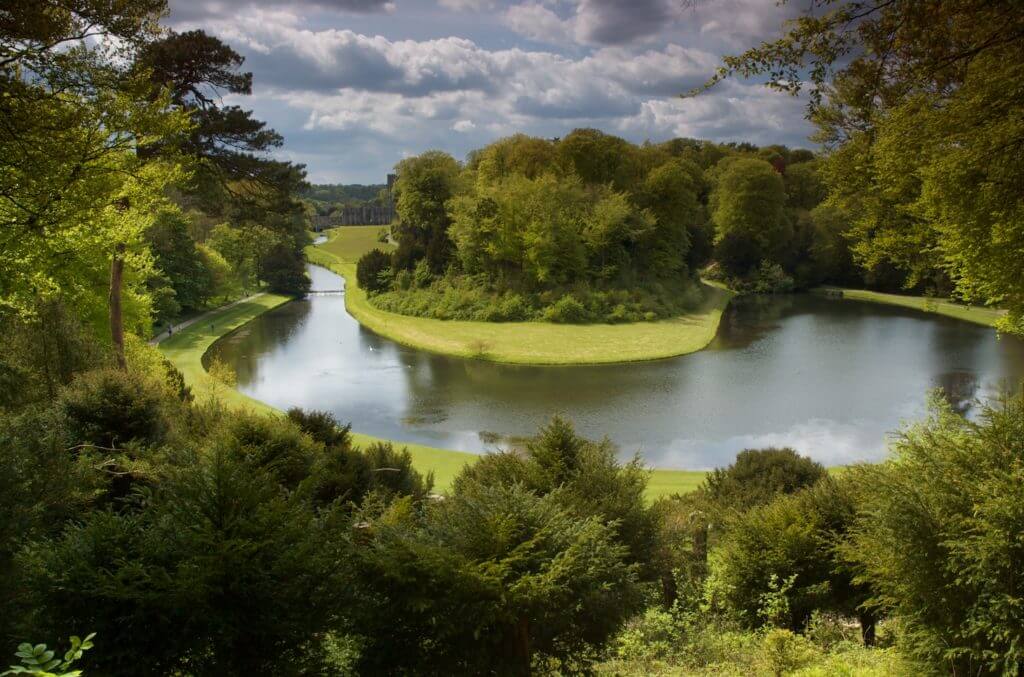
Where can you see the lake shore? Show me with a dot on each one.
(186, 348)
(974, 314)
(536, 343)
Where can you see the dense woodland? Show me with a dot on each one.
(327, 198)
(195, 539)
(593, 228)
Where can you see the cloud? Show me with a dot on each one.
(537, 22)
(467, 5)
(198, 10)
(617, 22)
(351, 98)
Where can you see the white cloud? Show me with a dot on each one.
(467, 5)
(537, 22)
(335, 92)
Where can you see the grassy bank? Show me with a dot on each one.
(186, 349)
(975, 314)
(518, 342)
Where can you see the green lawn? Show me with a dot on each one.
(975, 314)
(519, 342)
(349, 243)
(186, 349)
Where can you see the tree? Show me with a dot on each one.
(495, 580)
(372, 270)
(672, 193)
(747, 208)
(76, 190)
(176, 256)
(228, 573)
(518, 154)
(914, 100)
(425, 184)
(599, 158)
(195, 69)
(758, 475)
(778, 563)
(804, 187)
(235, 179)
(938, 537)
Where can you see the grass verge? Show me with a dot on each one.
(539, 343)
(926, 304)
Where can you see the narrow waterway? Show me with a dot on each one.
(829, 378)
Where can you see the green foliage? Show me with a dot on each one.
(589, 481)
(497, 578)
(777, 563)
(921, 122)
(392, 473)
(938, 537)
(322, 427)
(42, 662)
(275, 445)
(653, 636)
(228, 574)
(757, 476)
(566, 310)
(747, 208)
(176, 256)
(372, 269)
(42, 352)
(111, 408)
(784, 652)
(425, 184)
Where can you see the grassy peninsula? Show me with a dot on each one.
(518, 342)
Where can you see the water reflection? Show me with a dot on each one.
(827, 377)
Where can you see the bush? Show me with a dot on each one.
(655, 635)
(567, 310)
(392, 473)
(495, 579)
(777, 564)
(226, 573)
(421, 275)
(939, 535)
(276, 445)
(322, 427)
(783, 652)
(372, 271)
(758, 475)
(111, 408)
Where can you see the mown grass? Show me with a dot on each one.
(926, 304)
(349, 243)
(519, 342)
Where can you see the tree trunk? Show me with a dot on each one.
(517, 648)
(867, 627)
(114, 304)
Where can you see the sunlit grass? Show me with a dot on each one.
(519, 342)
(975, 314)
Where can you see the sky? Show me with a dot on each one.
(354, 86)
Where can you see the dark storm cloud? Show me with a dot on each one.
(618, 22)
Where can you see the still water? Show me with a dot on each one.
(828, 378)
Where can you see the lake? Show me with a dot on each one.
(830, 378)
